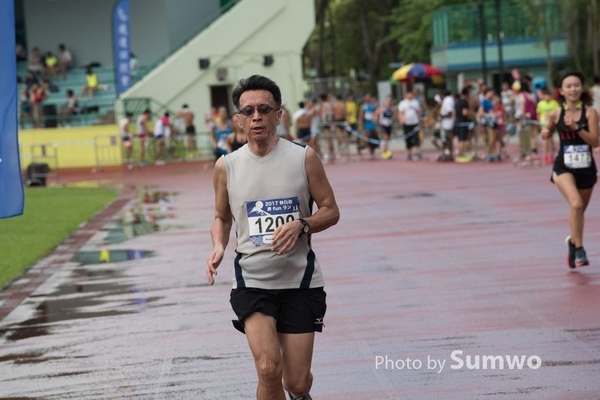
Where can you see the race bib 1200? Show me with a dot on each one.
(264, 216)
(578, 156)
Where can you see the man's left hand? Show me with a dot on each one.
(285, 237)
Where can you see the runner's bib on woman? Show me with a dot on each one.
(577, 156)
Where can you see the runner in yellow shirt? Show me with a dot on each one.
(352, 115)
(544, 107)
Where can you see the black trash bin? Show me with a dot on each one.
(36, 174)
(50, 115)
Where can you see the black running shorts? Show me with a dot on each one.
(190, 130)
(353, 127)
(462, 131)
(387, 130)
(373, 142)
(413, 140)
(582, 180)
(303, 134)
(295, 310)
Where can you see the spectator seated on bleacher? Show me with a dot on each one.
(92, 84)
(37, 95)
(51, 65)
(30, 80)
(34, 64)
(20, 50)
(71, 107)
(133, 65)
(65, 60)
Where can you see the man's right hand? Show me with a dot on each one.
(213, 262)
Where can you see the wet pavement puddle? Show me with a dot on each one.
(570, 363)
(20, 398)
(36, 357)
(138, 221)
(87, 294)
(128, 230)
(106, 256)
(412, 195)
(98, 287)
(142, 217)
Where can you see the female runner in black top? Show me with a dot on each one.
(574, 170)
(237, 139)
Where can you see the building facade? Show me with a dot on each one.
(457, 48)
(85, 26)
(263, 37)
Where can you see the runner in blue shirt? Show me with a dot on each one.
(368, 125)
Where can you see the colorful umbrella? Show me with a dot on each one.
(418, 72)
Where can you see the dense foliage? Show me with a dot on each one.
(359, 39)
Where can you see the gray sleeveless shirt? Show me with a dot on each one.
(265, 193)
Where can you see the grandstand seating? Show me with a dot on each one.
(103, 99)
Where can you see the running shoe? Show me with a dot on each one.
(445, 158)
(464, 159)
(581, 258)
(305, 397)
(547, 159)
(571, 256)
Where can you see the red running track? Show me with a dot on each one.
(428, 259)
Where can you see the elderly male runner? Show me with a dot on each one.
(268, 187)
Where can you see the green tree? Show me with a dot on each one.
(594, 30)
(411, 28)
(580, 20)
(352, 35)
(375, 29)
(366, 35)
(540, 16)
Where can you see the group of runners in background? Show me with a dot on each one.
(464, 120)
(473, 124)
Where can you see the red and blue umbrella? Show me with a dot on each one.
(418, 72)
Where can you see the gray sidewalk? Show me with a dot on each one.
(427, 259)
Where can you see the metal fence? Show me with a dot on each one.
(110, 150)
(107, 150)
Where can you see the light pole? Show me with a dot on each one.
(482, 38)
(500, 37)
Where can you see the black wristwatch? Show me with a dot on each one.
(581, 127)
(305, 227)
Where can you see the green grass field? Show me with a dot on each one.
(51, 214)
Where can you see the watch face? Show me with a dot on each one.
(305, 226)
